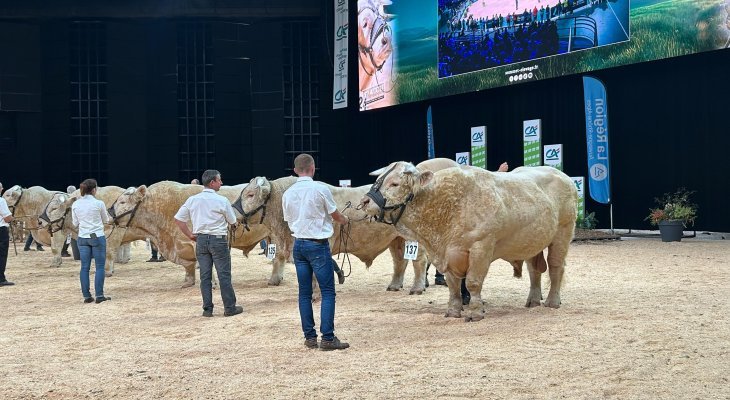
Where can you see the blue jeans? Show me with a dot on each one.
(315, 258)
(95, 248)
(210, 250)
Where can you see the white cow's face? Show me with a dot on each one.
(57, 208)
(255, 194)
(12, 195)
(128, 200)
(398, 183)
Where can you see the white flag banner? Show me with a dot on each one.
(339, 86)
(462, 158)
(552, 155)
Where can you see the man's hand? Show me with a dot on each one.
(193, 237)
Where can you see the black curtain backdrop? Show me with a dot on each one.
(668, 129)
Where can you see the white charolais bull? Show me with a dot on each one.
(261, 204)
(28, 205)
(58, 218)
(152, 210)
(467, 218)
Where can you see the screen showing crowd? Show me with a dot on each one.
(411, 50)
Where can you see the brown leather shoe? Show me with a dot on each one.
(311, 343)
(334, 344)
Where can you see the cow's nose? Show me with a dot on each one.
(365, 202)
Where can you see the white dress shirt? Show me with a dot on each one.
(209, 212)
(308, 206)
(89, 216)
(4, 212)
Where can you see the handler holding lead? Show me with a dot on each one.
(211, 214)
(309, 209)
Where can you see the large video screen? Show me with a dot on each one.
(411, 50)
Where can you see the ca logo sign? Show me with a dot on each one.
(531, 130)
(461, 160)
(342, 32)
(578, 185)
(552, 154)
(340, 95)
(477, 136)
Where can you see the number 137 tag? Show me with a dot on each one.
(411, 251)
(271, 251)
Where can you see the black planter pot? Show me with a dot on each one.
(671, 231)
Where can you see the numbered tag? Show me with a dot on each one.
(68, 239)
(411, 251)
(271, 251)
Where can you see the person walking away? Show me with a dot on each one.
(89, 215)
(210, 214)
(309, 209)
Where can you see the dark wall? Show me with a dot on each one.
(667, 125)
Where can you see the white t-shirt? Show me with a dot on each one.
(209, 212)
(89, 215)
(308, 206)
(4, 212)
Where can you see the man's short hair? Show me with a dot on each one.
(209, 176)
(303, 161)
(195, 181)
(70, 189)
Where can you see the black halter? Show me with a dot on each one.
(238, 205)
(377, 196)
(61, 221)
(382, 28)
(116, 218)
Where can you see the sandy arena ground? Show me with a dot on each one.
(641, 319)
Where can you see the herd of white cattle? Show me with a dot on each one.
(462, 217)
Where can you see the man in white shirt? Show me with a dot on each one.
(309, 209)
(5, 218)
(210, 214)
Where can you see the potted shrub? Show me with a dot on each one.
(674, 213)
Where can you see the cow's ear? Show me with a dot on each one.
(265, 187)
(69, 202)
(141, 191)
(426, 178)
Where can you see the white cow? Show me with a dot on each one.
(467, 218)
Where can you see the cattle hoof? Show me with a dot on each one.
(187, 284)
(108, 274)
(274, 282)
(552, 305)
(453, 314)
(393, 288)
(417, 291)
(532, 303)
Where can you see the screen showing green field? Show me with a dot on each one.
(411, 50)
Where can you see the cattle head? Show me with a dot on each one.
(126, 205)
(57, 210)
(395, 187)
(12, 196)
(253, 200)
(374, 35)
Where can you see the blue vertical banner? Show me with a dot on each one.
(429, 133)
(596, 109)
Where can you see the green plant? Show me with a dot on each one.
(588, 222)
(674, 207)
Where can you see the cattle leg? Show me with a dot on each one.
(57, 241)
(535, 295)
(397, 248)
(557, 251)
(479, 261)
(455, 306)
(419, 274)
(189, 275)
(277, 270)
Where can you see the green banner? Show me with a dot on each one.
(479, 146)
(531, 137)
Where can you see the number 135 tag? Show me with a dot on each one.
(411, 251)
(271, 251)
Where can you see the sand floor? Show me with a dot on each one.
(641, 319)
